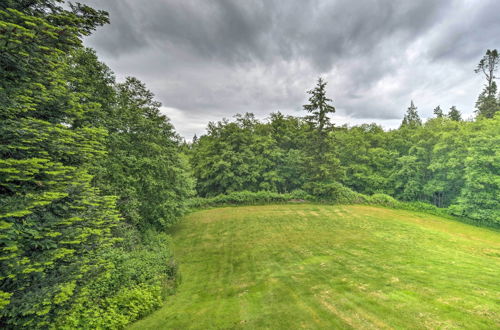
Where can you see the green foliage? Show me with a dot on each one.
(53, 220)
(94, 82)
(319, 106)
(137, 283)
(66, 132)
(487, 104)
(366, 159)
(248, 155)
(321, 159)
(383, 200)
(79, 153)
(454, 114)
(424, 208)
(411, 119)
(447, 151)
(31, 48)
(479, 198)
(438, 112)
(143, 164)
(320, 192)
(249, 198)
(334, 192)
(416, 163)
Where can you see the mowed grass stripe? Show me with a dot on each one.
(316, 266)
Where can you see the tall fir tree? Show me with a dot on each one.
(319, 106)
(323, 164)
(454, 114)
(52, 220)
(487, 103)
(411, 118)
(438, 112)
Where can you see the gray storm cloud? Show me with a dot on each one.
(206, 60)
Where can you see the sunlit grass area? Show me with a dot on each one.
(316, 266)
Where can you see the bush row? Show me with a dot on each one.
(248, 198)
(328, 193)
(320, 193)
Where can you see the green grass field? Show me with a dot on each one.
(317, 267)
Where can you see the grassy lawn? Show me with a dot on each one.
(315, 266)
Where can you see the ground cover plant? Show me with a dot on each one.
(318, 266)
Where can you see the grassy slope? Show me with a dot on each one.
(313, 266)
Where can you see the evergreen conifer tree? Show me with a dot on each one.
(438, 112)
(319, 106)
(454, 114)
(487, 103)
(411, 118)
(52, 220)
(323, 164)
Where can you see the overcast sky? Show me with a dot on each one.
(208, 59)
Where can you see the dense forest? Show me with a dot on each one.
(446, 161)
(93, 175)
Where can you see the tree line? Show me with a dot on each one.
(90, 178)
(447, 161)
(92, 175)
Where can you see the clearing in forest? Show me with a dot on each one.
(317, 266)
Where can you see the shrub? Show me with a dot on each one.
(248, 198)
(300, 194)
(423, 207)
(335, 192)
(137, 280)
(484, 217)
(332, 192)
(327, 193)
(383, 200)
